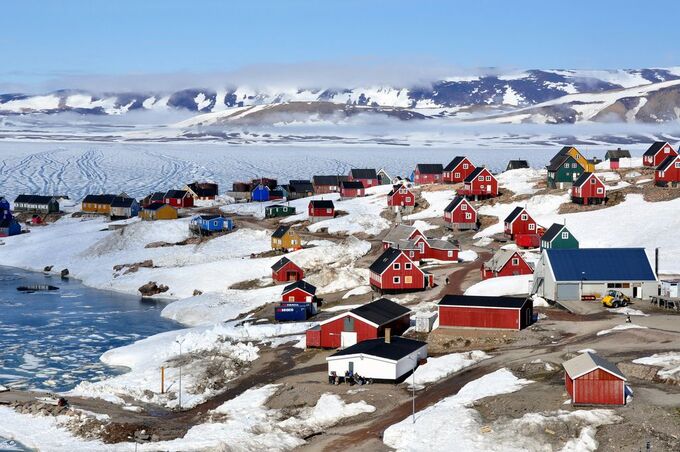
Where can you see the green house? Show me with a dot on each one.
(558, 236)
(278, 210)
(563, 170)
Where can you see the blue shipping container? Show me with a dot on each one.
(286, 312)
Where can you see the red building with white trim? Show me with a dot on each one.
(519, 222)
(588, 189)
(480, 183)
(457, 170)
(395, 272)
(592, 380)
(467, 311)
(401, 197)
(505, 263)
(299, 292)
(461, 215)
(428, 173)
(178, 198)
(366, 176)
(351, 189)
(286, 270)
(668, 173)
(320, 209)
(657, 153)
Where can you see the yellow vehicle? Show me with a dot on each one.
(615, 299)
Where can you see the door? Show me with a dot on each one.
(566, 292)
(292, 276)
(347, 339)
(637, 292)
(350, 367)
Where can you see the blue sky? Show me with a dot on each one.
(56, 38)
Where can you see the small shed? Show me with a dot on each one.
(592, 380)
(123, 207)
(467, 311)
(278, 210)
(321, 209)
(207, 224)
(260, 193)
(286, 270)
(517, 164)
(615, 155)
(9, 227)
(158, 212)
(299, 292)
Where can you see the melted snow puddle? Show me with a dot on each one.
(52, 341)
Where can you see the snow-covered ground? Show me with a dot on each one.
(625, 326)
(502, 286)
(669, 363)
(442, 366)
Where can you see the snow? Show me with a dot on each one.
(539, 302)
(625, 326)
(521, 181)
(502, 286)
(467, 256)
(437, 200)
(625, 162)
(511, 97)
(440, 367)
(361, 290)
(626, 310)
(342, 307)
(669, 363)
(328, 411)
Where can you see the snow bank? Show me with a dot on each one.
(361, 290)
(442, 366)
(328, 411)
(628, 311)
(502, 286)
(521, 181)
(670, 363)
(437, 200)
(467, 256)
(625, 326)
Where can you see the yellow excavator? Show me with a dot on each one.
(615, 299)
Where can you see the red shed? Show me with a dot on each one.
(458, 169)
(299, 292)
(480, 183)
(519, 222)
(285, 271)
(401, 196)
(351, 189)
(657, 153)
(394, 272)
(592, 380)
(178, 198)
(321, 209)
(367, 176)
(365, 322)
(460, 214)
(588, 189)
(505, 263)
(428, 173)
(668, 173)
(400, 233)
(468, 311)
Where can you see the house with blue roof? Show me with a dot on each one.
(588, 273)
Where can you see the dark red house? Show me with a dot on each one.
(428, 173)
(299, 292)
(351, 189)
(327, 184)
(285, 271)
(668, 173)
(657, 153)
(320, 209)
(519, 222)
(457, 170)
(466, 311)
(366, 176)
(401, 196)
(505, 263)
(592, 380)
(394, 272)
(178, 198)
(369, 321)
(480, 183)
(588, 189)
(460, 214)
(421, 247)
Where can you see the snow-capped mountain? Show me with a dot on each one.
(534, 96)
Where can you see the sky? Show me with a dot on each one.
(48, 40)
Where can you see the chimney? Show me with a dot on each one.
(388, 335)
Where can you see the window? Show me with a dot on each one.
(293, 242)
(532, 226)
(396, 266)
(456, 175)
(677, 164)
(285, 209)
(408, 279)
(515, 261)
(524, 217)
(468, 216)
(574, 165)
(660, 173)
(666, 150)
(291, 298)
(566, 165)
(600, 190)
(592, 180)
(329, 210)
(480, 178)
(402, 191)
(396, 280)
(565, 235)
(408, 266)
(411, 253)
(449, 253)
(465, 166)
(488, 178)
(463, 207)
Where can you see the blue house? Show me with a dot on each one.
(9, 227)
(5, 212)
(207, 224)
(260, 193)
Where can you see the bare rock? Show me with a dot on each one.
(152, 288)
(197, 292)
(64, 273)
(48, 268)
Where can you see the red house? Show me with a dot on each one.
(592, 380)
(466, 311)
(394, 272)
(519, 222)
(351, 189)
(398, 234)
(401, 197)
(588, 189)
(327, 184)
(480, 183)
(657, 153)
(299, 292)
(668, 173)
(505, 263)
(178, 198)
(285, 270)
(366, 176)
(421, 247)
(457, 170)
(369, 321)
(320, 209)
(428, 173)
(460, 214)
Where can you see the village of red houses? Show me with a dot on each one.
(412, 285)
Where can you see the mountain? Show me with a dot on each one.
(533, 96)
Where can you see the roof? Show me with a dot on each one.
(587, 362)
(430, 168)
(381, 311)
(654, 148)
(321, 204)
(281, 263)
(278, 206)
(483, 301)
(261, 187)
(564, 152)
(600, 264)
(363, 173)
(302, 285)
(384, 260)
(499, 259)
(514, 214)
(517, 164)
(442, 244)
(583, 178)
(398, 348)
(396, 188)
(352, 185)
(398, 233)
(34, 199)
(176, 194)
(120, 201)
(157, 205)
(99, 199)
(156, 196)
(455, 202)
(666, 163)
(280, 231)
(552, 232)
(300, 186)
(208, 217)
(203, 189)
(328, 180)
(617, 154)
(473, 175)
(454, 163)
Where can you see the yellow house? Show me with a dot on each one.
(158, 211)
(284, 238)
(97, 204)
(588, 167)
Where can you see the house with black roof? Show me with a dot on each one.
(428, 173)
(320, 209)
(285, 238)
(517, 164)
(668, 173)
(457, 170)
(558, 236)
(394, 272)
(285, 270)
(100, 204)
(327, 184)
(614, 157)
(388, 359)
(178, 199)
(657, 153)
(202, 190)
(36, 204)
(352, 189)
(299, 292)
(300, 189)
(367, 176)
(369, 321)
(124, 207)
(468, 311)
